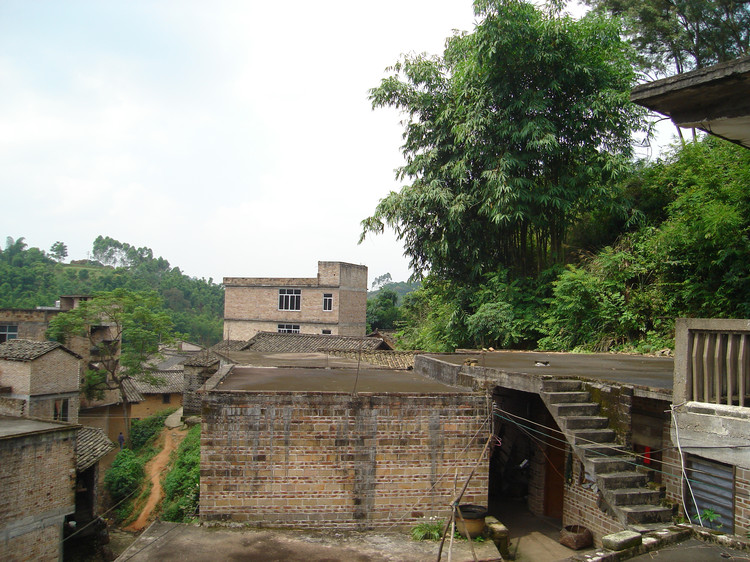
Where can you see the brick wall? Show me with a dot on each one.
(581, 506)
(329, 460)
(54, 373)
(16, 374)
(742, 502)
(13, 407)
(32, 324)
(37, 476)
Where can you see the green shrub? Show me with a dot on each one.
(428, 530)
(124, 476)
(181, 485)
(141, 431)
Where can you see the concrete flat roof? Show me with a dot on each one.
(11, 426)
(637, 370)
(382, 381)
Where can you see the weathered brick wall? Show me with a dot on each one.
(742, 502)
(32, 324)
(16, 374)
(37, 476)
(41, 545)
(13, 407)
(44, 408)
(581, 506)
(671, 476)
(334, 460)
(54, 373)
(154, 403)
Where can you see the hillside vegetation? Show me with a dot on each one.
(30, 277)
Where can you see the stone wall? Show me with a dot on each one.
(328, 460)
(37, 476)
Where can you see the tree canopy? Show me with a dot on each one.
(509, 137)
(674, 36)
(136, 323)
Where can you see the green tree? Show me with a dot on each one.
(137, 324)
(59, 251)
(510, 136)
(382, 311)
(680, 35)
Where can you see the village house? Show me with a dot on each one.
(332, 303)
(38, 479)
(39, 379)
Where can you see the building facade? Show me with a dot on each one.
(334, 302)
(39, 379)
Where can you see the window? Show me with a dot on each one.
(166, 398)
(289, 299)
(8, 332)
(327, 332)
(61, 410)
(327, 301)
(288, 328)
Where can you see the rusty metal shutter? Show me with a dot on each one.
(713, 487)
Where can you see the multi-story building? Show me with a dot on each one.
(334, 302)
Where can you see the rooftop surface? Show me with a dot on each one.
(639, 370)
(330, 380)
(15, 427)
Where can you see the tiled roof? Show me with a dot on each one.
(171, 362)
(172, 381)
(228, 345)
(91, 445)
(131, 391)
(203, 359)
(28, 350)
(389, 359)
(272, 342)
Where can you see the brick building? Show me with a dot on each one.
(333, 303)
(38, 479)
(296, 447)
(39, 379)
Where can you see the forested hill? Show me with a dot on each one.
(31, 277)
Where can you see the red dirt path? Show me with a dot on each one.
(170, 438)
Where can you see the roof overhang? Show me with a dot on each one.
(715, 99)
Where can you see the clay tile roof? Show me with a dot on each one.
(272, 342)
(131, 391)
(203, 359)
(91, 445)
(28, 350)
(228, 345)
(172, 381)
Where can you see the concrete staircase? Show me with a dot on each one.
(622, 483)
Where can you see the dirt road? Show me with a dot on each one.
(170, 439)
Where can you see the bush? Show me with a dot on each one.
(142, 431)
(181, 485)
(124, 476)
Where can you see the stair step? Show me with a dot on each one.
(584, 436)
(566, 397)
(615, 463)
(618, 480)
(571, 409)
(639, 514)
(583, 422)
(643, 528)
(561, 385)
(599, 450)
(635, 496)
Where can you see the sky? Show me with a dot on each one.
(234, 139)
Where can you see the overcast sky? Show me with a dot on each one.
(232, 138)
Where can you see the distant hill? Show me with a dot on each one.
(30, 277)
(401, 288)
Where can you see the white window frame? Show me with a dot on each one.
(8, 332)
(288, 328)
(327, 302)
(290, 299)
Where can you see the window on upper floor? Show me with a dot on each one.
(327, 301)
(288, 328)
(289, 299)
(8, 332)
